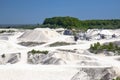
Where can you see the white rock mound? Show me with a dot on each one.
(10, 58)
(94, 74)
(39, 35)
(63, 57)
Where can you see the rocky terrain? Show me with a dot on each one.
(66, 62)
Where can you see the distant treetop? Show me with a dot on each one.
(62, 21)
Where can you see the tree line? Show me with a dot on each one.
(71, 22)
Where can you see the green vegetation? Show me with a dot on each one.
(60, 44)
(19, 26)
(38, 52)
(71, 22)
(66, 22)
(2, 31)
(118, 78)
(97, 47)
(106, 24)
(8, 31)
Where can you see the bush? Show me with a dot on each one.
(38, 52)
(3, 55)
(8, 31)
(97, 47)
(118, 78)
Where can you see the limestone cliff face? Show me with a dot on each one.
(63, 57)
(88, 66)
(44, 59)
(94, 74)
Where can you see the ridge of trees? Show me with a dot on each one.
(66, 22)
(71, 22)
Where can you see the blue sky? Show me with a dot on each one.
(35, 11)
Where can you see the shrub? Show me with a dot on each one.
(118, 78)
(97, 47)
(8, 31)
(3, 55)
(38, 52)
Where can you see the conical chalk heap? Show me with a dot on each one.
(39, 35)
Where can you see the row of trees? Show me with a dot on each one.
(109, 24)
(71, 22)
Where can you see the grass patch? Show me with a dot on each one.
(65, 50)
(30, 44)
(60, 44)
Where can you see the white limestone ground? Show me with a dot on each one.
(24, 71)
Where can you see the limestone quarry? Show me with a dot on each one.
(27, 55)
